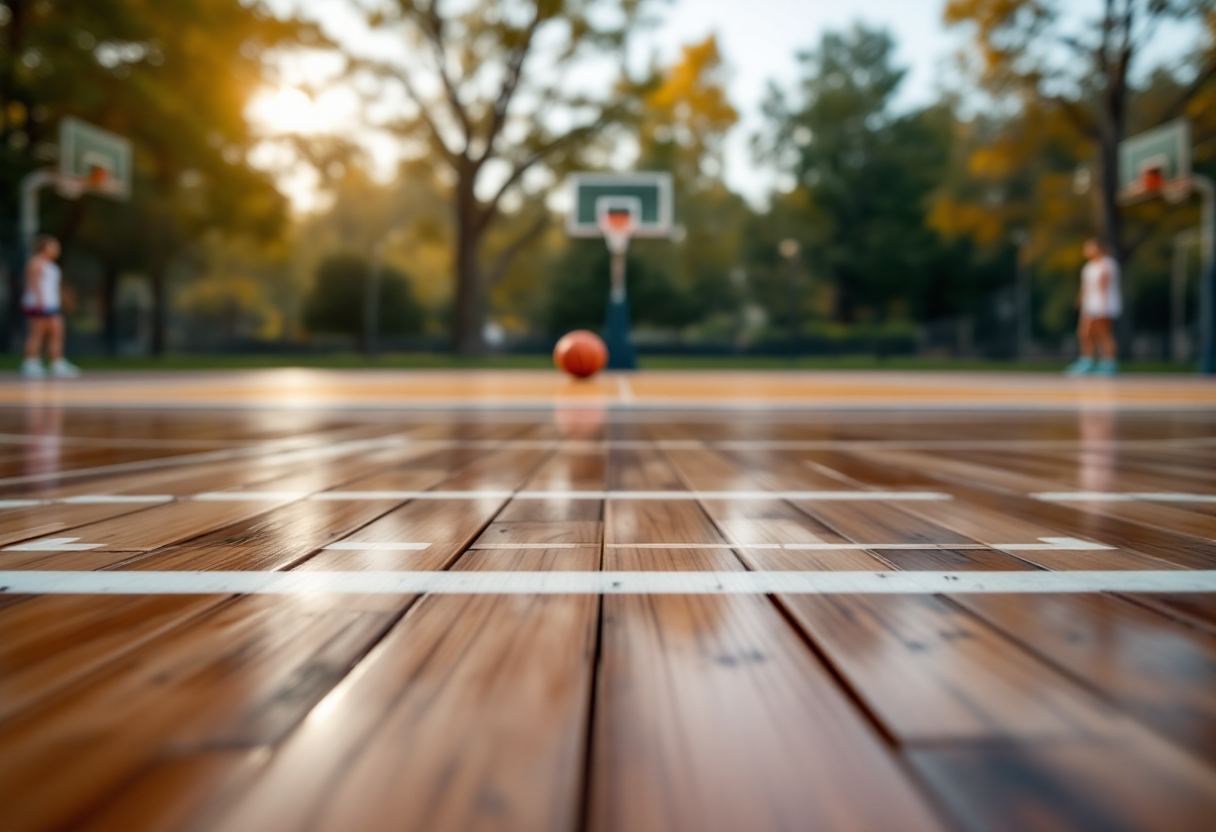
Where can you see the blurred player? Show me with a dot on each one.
(42, 306)
(1101, 303)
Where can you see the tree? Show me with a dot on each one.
(685, 118)
(868, 172)
(1027, 50)
(179, 97)
(490, 86)
(337, 302)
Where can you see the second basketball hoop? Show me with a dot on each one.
(618, 208)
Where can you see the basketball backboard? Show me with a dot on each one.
(646, 196)
(85, 151)
(1155, 162)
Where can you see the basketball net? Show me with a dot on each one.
(72, 187)
(617, 227)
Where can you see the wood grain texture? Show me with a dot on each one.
(681, 743)
(931, 672)
(471, 714)
(243, 675)
(1160, 671)
(1120, 784)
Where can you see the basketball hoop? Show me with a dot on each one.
(73, 187)
(618, 227)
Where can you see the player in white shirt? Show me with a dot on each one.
(42, 304)
(1101, 302)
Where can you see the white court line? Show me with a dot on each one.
(238, 496)
(598, 583)
(54, 544)
(1046, 544)
(624, 390)
(478, 546)
(625, 495)
(413, 495)
(1122, 496)
(116, 499)
(286, 496)
(370, 546)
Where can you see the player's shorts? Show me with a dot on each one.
(36, 312)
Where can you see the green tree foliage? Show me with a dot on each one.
(578, 291)
(175, 80)
(337, 302)
(686, 116)
(868, 174)
(1080, 70)
(1043, 166)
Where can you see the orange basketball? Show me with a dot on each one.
(581, 353)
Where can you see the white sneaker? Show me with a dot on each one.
(62, 368)
(32, 368)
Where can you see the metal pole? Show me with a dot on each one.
(620, 345)
(30, 185)
(617, 292)
(1178, 345)
(1207, 290)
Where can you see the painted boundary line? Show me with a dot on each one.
(287, 496)
(621, 495)
(1045, 544)
(598, 583)
(1122, 497)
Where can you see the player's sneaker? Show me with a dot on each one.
(32, 368)
(1109, 367)
(62, 368)
(1080, 367)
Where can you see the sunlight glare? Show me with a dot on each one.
(291, 110)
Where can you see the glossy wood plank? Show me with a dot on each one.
(681, 741)
(990, 525)
(277, 539)
(979, 485)
(52, 641)
(1194, 608)
(471, 714)
(243, 675)
(19, 525)
(1160, 671)
(1113, 783)
(173, 792)
(932, 672)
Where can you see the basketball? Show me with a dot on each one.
(581, 353)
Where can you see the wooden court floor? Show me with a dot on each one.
(610, 614)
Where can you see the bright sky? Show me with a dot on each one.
(759, 40)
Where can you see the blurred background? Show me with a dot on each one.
(355, 182)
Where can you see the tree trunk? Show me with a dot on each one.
(109, 308)
(157, 277)
(1112, 125)
(470, 288)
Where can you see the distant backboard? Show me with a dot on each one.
(646, 196)
(1155, 162)
(86, 151)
